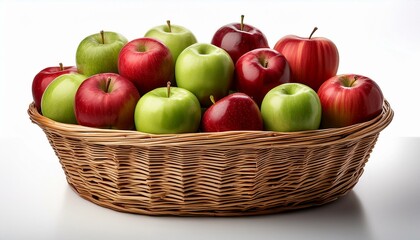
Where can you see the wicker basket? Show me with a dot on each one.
(217, 174)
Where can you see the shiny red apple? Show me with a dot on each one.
(349, 99)
(260, 70)
(234, 112)
(312, 60)
(239, 38)
(147, 62)
(44, 78)
(106, 100)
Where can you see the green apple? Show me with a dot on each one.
(175, 37)
(291, 107)
(168, 110)
(204, 70)
(57, 102)
(98, 53)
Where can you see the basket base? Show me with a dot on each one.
(249, 212)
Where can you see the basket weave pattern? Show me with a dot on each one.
(217, 174)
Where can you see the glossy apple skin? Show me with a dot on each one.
(312, 60)
(234, 112)
(57, 102)
(147, 62)
(291, 107)
(236, 41)
(204, 70)
(97, 105)
(260, 70)
(346, 101)
(157, 113)
(43, 78)
(93, 56)
(176, 40)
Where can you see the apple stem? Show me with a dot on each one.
(212, 99)
(354, 80)
(168, 85)
(315, 28)
(265, 63)
(169, 25)
(102, 36)
(61, 66)
(242, 22)
(108, 82)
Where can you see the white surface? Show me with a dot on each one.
(378, 39)
(37, 203)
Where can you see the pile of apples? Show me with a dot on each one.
(167, 82)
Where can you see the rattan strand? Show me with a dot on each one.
(212, 174)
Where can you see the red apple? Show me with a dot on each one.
(239, 38)
(147, 62)
(348, 99)
(106, 100)
(312, 60)
(260, 70)
(236, 111)
(44, 78)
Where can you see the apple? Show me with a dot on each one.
(312, 60)
(348, 99)
(43, 78)
(98, 53)
(204, 69)
(106, 100)
(147, 62)
(239, 38)
(291, 107)
(237, 111)
(260, 70)
(175, 37)
(168, 110)
(57, 102)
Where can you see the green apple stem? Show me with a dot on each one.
(61, 66)
(242, 22)
(103, 36)
(212, 99)
(168, 85)
(313, 31)
(169, 25)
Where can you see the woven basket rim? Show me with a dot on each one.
(237, 139)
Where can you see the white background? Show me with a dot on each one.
(378, 39)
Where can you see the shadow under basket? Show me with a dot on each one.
(212, 174)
